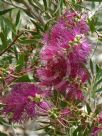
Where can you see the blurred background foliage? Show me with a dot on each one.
(22, 25)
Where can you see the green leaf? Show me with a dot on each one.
(58, 7)
(100, 39)
(9, 24)
(37, 25)
(15, 49)
(31, 78)
(2, 12)
(88, 108)
(98, 82)
(97, 68)
(91, 66)
(20, 62)
(74, 1)
(2, 121)
(48, 24)
(91, 25)
(26, 41)
(3, 39)
(63, 104)
(17, 18)
(28, 13)
(99, 90)
(2, 134)
(75, 133)
(99, 74)
(24, 78)
(45, 4)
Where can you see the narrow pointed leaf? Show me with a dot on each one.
(2, 134)
(99, 90)
(17, 18)
(45, 4)
(2, 12)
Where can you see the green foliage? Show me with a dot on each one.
(98, 80)
(2, 12)
(32, 18)
(3, 134)
(91, 23)
(95, 78)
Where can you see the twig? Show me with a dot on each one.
(10, 45)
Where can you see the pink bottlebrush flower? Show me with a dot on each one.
(73, 92)
(21, 102)
(83, 74)
(84, 28)
(82, 51)
(66, 29)
(9, 79)
(50, 52)
(65, 40)
(64, 54)
(69, 19)
(96, 131)
(100, 117)
(59, 36)
(77, 69)
(65, 112)
(76, 20)
(74, 64)
(54, 72)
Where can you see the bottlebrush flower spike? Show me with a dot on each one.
(54, 72)
(96, 131)
(67, 41)
(100, 117)
(21, 103)
(73, 92)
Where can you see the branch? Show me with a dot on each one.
(10, 45)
